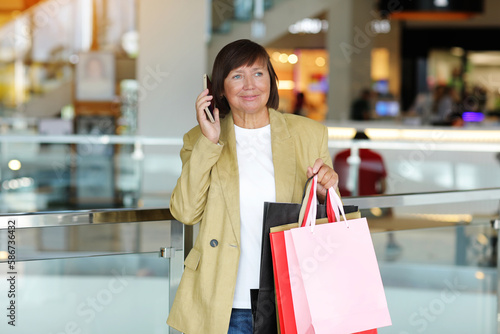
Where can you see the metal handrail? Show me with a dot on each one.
(85, 217)
(128, 215)
(427, 198)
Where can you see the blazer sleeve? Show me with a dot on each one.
(325, 152)
(189, 197)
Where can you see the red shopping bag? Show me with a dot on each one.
(284, 301)
(294, 317)
(340, 276)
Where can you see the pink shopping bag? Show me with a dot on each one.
(338, 288)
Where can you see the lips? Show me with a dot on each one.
(249, 97)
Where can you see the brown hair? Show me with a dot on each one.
(236, 54)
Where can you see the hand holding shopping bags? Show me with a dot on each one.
(333, 273)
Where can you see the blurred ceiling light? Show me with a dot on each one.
(276, 56)
(380, 26)
(14, 184)
(488, 58)
(433, 135)
(26, 181)
(308, 26)
(293, 59)
(73, 59)
(341, 133)
(320, 61)
(283, 58)
(130, 43)
(286, 85)
(457, 51)
(4, 255)
(479, 275)
(14, 164)
(383, 133)
(441, 3)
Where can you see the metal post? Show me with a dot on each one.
(353, 179)
(496, 225)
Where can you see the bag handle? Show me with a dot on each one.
(309, 202)
(308, 210)
(334, 203)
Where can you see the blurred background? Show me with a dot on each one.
(95, 95)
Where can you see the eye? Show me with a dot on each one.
(237, 76)
(259, 74)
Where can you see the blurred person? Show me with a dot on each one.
(422, 106)
(250, 154)
(444, 105)
(361, 106)
(456, 81)
(300, 104)
(372, 172)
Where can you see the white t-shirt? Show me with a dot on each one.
(256, 172)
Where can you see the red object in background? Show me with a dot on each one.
(371, 171)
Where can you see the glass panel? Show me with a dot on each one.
(88, 240)
(439, 280)
(107, 294)
(438, 264)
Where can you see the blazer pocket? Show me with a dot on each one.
(193, 259)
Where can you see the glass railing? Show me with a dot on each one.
(108, 271)
(117, 270)
(81, 172)
(437, 254)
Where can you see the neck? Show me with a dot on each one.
(251, 121)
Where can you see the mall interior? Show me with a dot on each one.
(96, 95)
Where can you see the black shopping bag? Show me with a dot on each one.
(275, 214)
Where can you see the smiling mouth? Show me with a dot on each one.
(249, 97)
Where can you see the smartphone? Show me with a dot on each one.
(210, 109)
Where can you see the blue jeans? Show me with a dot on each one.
(241, 321)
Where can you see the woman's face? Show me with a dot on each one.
(247, 88)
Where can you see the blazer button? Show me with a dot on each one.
(214, 243)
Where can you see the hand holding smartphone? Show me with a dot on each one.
(210, 109)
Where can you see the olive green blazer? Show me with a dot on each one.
(208, 192)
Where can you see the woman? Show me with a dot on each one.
(249, 155)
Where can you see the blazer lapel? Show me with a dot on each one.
(227, 169)
(285, 166)
(283, 150)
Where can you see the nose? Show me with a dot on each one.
(248, 82)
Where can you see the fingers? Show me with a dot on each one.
(216, 115)
(209, 129)
(327, 177)
(202, 101)
(317, 165)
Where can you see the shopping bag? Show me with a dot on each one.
(277, 214)
(294, 315)
(338, 274)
